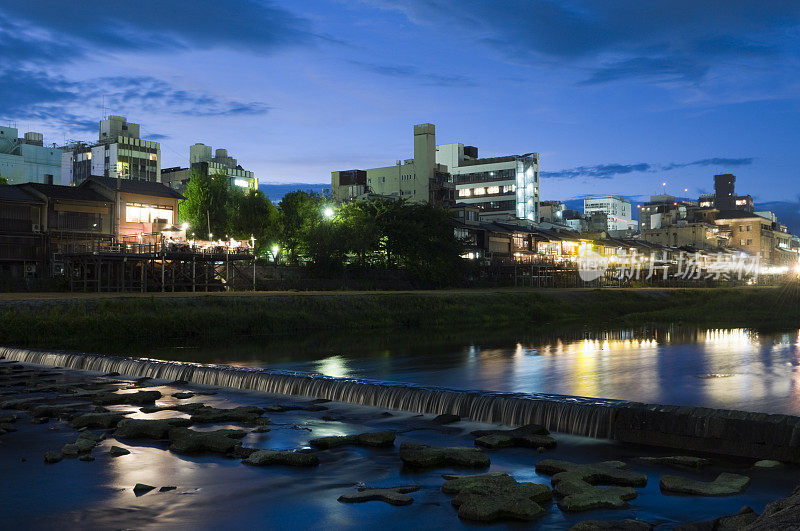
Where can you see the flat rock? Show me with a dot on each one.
(496, 496)
(725, 484)
(767, 463)
(148, 429)
(167, 489)
(618, 525)
(281, 457)
(783, 514)
(86, 457)
(183, 395)
(117, 451)
(740, 520)
(509, 439)
(280, 408)
(52, 457)
(390, 495)
(445, 418)
(185, 440)
(97, 420)
(527, 429)
(141, 488)
(83, 444)
(680, 461)
(375, 439)
(137, 398)
(241, 415)
(421, 455)
(577, 484)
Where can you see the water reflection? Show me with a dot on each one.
(731, 368)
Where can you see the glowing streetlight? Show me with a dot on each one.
(185, 226)
(328, 212)
(275, 249)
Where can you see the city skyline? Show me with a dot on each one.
(616, 100)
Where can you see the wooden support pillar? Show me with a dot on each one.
(194, 276)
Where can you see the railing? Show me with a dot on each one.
(154, 248)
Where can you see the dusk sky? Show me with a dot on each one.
(616, 97)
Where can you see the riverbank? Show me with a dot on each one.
(111, 464)
(111, 323)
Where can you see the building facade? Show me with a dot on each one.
(617, 210)
(27, 159)
(501, 187)
(119, 153)
(757, 236)
(419, 179)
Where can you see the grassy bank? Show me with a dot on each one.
(111, 324)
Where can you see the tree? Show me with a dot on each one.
(299, 212)
(251, 213)
(3, 180)
(206, 203)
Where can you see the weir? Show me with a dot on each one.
(728, 432)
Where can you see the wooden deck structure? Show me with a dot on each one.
(158, 267)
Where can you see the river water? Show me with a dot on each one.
(720, 368)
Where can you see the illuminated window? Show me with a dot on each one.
(479, 191)
(464, 192)
(138, 213)
(493, 190)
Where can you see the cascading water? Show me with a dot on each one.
(575, 415)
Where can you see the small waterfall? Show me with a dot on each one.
(575, 415)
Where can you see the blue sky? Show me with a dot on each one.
(617, 97)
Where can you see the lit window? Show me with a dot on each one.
(493, 190)
(464, 192)
(479, 191)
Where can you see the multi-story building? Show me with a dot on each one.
(22, 245)
(27, 159)
(616, 208)
(501, 187)
(551, 211)
(419, 179)
(119, 153)
(758, 236)
(700, 236)
(203, 161)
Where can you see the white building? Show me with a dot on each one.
(119, 153)
(618, 210)
(27, 159)
(501, 187)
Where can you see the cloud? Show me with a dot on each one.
(716, 161)
(36, 95)
(600, 171)
(609, 171)
(255, 25)
(674, 40)
(412, 73)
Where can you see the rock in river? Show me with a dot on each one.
(117, 451)
(496, 496)
(381, 438)
(421, 455)
(576, 484)
(97, 420)
(242, 414)
(390, 495)
(137, 398)
(185, 440)
(281, 457)
(724, 485)
(617, 525)
(83, 445)
(529, 436)
(148, 429)
(681, 461)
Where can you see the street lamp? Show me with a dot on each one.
(328, 212)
